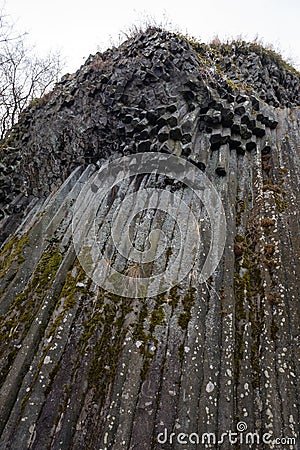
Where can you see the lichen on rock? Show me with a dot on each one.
(82, 367)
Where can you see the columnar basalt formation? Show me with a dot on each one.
(82, 368)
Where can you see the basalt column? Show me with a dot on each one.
(85, 368)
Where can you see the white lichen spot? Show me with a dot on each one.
(105, 438)
(47, 359)
(210, 387)
(291, 419)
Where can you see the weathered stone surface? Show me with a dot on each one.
(82, 368)
(223, 160)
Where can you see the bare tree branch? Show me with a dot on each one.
(23, 75)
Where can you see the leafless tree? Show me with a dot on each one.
(23, 75)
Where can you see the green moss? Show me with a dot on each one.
(71, 285)
(23, 310)
(145, 368)
(272, 187)
(266, 222)
(35, 102)
(245, 48)
(274, 329)
(35, 377)
(104, 333)
(67, 389)
(187, 303)
(139, 332)
(241, 286)
(47, 269)
(25, 399)
(173, 298)
(107, 349)
(248, 289)
(41, 280)
(10, 138)
(6, 363)
(214, 59)
(240, 209)
(144, 335)
(283, 171)
(181, 353)
(157, 318)
(53, 373)
(38, 102)
(69, 291)
(86, 257)
(94, 322)
(281, 204)
(12, 252)
(183, 320)
(271, 56)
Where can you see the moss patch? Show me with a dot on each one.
(23, 310)
(12, 252)
(187, 303)
(106, 333)
(248, 289)
(157, 317)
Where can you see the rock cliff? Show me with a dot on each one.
(85, 367)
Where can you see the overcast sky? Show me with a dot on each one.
(79, 28)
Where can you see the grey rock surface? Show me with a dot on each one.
(83, 368)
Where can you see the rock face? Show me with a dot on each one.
(84, 368)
